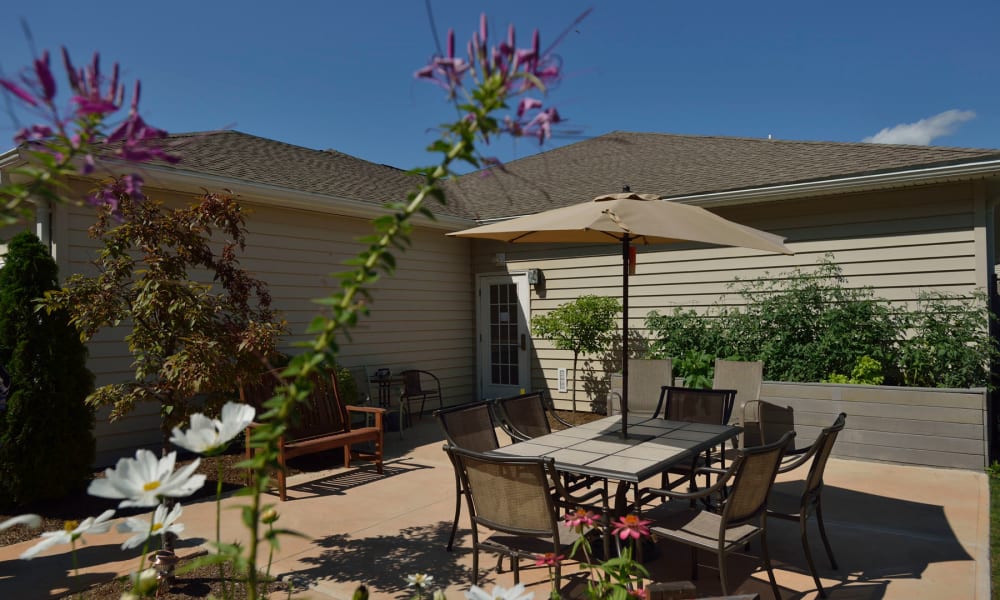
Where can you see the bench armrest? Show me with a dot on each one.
(365, 409)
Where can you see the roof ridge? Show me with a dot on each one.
(791, 141)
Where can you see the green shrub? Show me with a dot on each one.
(683, 331)
(948, 343)
(697, 369)
(811, 327)
(46, 432)
(804, 326)
(867, 371)
(346, 386)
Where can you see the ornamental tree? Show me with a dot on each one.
(198, 321)
(46, 438)
(585, 326)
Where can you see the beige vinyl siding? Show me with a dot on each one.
(423, 317)
(897, 243)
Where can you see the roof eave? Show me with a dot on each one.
(842, 185)
(188, 181)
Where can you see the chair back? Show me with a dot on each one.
(744, 376)
(765, 422)
(645, 378)
(411, 383)
(822, 448)
(469, 426)
(509, 494)
(694, 405)
(525, 414)
(754, 472)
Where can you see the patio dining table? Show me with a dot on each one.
(597, 449)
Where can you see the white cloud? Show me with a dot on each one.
(924, 131)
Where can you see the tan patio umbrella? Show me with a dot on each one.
(628, 218)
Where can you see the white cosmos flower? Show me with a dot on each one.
(143, 480)
(208, 436)
(499, 593)
(419, 580)
(72, 532)
(28, 520)
(163, 522)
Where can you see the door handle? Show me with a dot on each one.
(522, 343)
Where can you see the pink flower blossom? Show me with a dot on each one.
(630, 526)
(549, 559)
(580, 518)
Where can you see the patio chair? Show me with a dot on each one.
(420, 385)
(809, 500)
(743, 514)
(695, 406)
(514, 498)
(645, 378)
(743, 376)
(471, 427)
(526, 416)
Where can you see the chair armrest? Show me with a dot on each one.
(378, 411)
(718, 487)
(365, 409)
(801, 456)
(550, 408)
(515, 434)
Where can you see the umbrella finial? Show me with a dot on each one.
(626, 188)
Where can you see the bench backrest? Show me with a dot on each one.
(323, 413)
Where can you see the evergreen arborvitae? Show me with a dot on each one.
(46, 432)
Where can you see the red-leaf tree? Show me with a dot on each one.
(198, 320)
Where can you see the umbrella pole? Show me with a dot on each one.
(625, 265)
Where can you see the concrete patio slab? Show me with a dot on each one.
(898, 532)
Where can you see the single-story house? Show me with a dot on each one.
(897, 218)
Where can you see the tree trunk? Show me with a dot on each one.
(576, 355)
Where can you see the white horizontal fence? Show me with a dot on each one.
(917, 426)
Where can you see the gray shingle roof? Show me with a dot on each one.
(260, 160)
(682, 165)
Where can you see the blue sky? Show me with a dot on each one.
(340, 74)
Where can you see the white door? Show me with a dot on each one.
(504, 343)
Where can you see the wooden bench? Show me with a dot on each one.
(322, 424)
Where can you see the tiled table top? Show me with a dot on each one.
(597, 448)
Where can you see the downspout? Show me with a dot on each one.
(43, 223)
(991, 190)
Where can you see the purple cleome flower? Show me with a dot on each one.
(77, 130)
(521, 70)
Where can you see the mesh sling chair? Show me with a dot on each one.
(420, 385)
(645, 378)
(526, 416)
(471, 427)
(743, 514)
(519, 499)
(695, 406)
(799, 506)
(744, 377)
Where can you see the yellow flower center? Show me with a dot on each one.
(70, 525)
(152, 485)
(157, 527)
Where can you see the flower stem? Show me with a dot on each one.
(218, 526)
